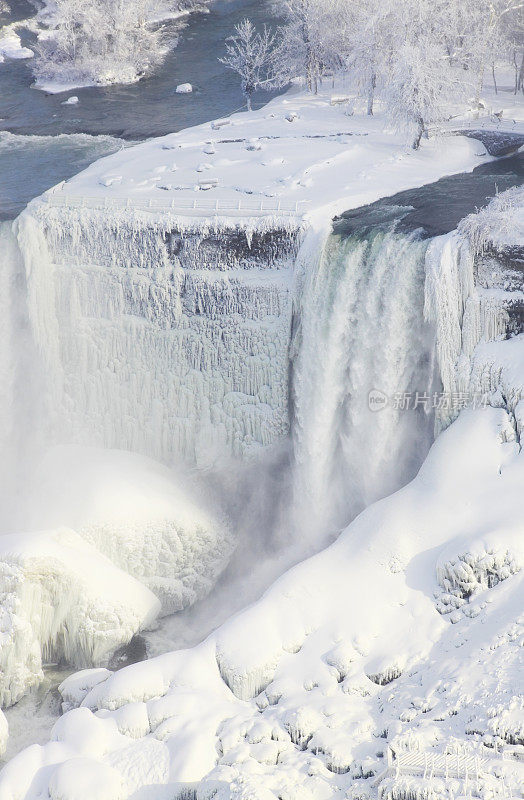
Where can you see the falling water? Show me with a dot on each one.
(361, 330)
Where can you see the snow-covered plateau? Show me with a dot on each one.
(188, 300)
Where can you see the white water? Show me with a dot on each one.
(360, 329)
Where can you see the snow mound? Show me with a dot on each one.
(332, 683)
(10, 47)
(134, 511)
(62, 600)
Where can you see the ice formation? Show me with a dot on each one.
(386, 665)
(138, 514)
(62, 599)
(160, 336)
(395, 647)
(475, 298)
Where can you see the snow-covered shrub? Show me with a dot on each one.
(471, 573)
(508, 723)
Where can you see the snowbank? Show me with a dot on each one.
(11, 47)
(62, 600)
(135, 512)
(346, 655)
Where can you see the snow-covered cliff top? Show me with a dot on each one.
(299, 154)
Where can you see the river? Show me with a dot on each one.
(43, 141)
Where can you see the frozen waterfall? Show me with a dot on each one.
(162, 339)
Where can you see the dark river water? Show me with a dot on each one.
(122, 114)
(437, 208)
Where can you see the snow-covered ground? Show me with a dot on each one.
(318, 154)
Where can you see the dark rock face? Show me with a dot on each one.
(262, 249)
(497, 143)
(130, 653)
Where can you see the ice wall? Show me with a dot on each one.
(159, 335)
(360, 335)
(474, 296)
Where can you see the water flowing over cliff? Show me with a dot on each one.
(361, 345)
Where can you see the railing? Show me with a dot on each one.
(244, 206)
(467, 768)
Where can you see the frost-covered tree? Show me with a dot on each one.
(420, 78)
(512, 35)
(307, 46)
(362, 29)
(249, 54)
(101, 41)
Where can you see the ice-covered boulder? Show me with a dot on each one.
(61, 599)
(139, 515)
